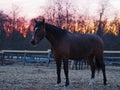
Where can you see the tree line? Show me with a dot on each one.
(15, 32)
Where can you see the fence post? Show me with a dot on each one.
(24, 58)
(49, 56)
(2, 57)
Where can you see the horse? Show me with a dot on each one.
(66, 45)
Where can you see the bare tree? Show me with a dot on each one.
(50, 14)
(103, 6)
(15, 14)
(59, 13)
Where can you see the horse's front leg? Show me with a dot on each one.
(65, 62)
(58, 64)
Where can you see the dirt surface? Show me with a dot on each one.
(38, 77)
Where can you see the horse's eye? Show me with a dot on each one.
(35, 29)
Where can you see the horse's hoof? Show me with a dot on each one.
(65, 88)
(58, 85)
(105, 84)
(91, 82)
(67, 84)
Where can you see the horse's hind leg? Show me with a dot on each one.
(91, 63)
(104, 74)
(100, 65)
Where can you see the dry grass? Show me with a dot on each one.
(34, 77)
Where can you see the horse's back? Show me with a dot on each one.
(86, 40)
(83, 45)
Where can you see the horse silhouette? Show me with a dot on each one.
(66, 45)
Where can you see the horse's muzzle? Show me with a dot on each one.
(33, 42)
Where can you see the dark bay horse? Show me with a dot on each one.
(66, 45)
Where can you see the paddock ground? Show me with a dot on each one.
(40, 77)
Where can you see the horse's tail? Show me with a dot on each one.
(97, 64)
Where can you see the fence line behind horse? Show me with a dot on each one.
(46, 56)
(24, 56)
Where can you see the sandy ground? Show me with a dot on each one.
(40, 77)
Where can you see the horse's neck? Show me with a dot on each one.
(51, 34)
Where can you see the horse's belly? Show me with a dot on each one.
(80, 53)
(78, 56)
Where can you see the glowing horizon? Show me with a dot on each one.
(32, 8)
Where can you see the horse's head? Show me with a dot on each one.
(39, 32)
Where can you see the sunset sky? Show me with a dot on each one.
(33, 8)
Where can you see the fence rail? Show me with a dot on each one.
(38, 54)
(24, 55)
(47, 51)
(24, 51)
(111, 52)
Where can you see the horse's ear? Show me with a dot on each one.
(35, 21)
(43, 21)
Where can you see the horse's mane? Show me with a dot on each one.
(56, 30)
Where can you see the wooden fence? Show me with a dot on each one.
(24, 54)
